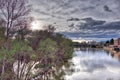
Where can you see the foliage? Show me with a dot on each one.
(109, 42)
(112, 41)
(48, 46)
(42, 50)
(13, 14)
(2, 38)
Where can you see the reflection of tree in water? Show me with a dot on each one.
(114, 55)
(93, 50)
(87, 63)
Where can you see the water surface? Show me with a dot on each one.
(93, 64)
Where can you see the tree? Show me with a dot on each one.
(112, 41)
(107, 43)
(51, 51)
(11, 12)
(50, 28)
(2, 38)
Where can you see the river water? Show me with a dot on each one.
(92, 64)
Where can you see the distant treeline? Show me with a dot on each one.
(88, 45)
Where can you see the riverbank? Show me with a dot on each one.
(114, 53)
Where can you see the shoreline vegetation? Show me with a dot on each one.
(35, 56)
(111, 46)
(27, 54)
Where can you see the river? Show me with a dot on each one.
(92, 64)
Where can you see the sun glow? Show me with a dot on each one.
(36, 25)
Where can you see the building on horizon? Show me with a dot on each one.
(117, 42)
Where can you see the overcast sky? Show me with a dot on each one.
(57, 12)
(63, 9)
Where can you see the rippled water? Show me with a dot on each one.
(93, 64)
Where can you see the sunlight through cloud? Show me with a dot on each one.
(36, 25)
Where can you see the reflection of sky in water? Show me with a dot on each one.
(94, 65)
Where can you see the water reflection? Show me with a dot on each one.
(92, 64)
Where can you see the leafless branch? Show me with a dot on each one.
(13, 10)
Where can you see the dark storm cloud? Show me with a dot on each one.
(96, 28)
(99, 25)
(90, 23)
(106, 8)
(73, 19)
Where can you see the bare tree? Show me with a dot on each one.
(21, 29)
(50, 28)
(11, 12)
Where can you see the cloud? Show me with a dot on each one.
(95, 29)
(73, 19)
(86, 17)
(81, 8)
(106, 8)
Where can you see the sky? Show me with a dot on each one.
(91, 18)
